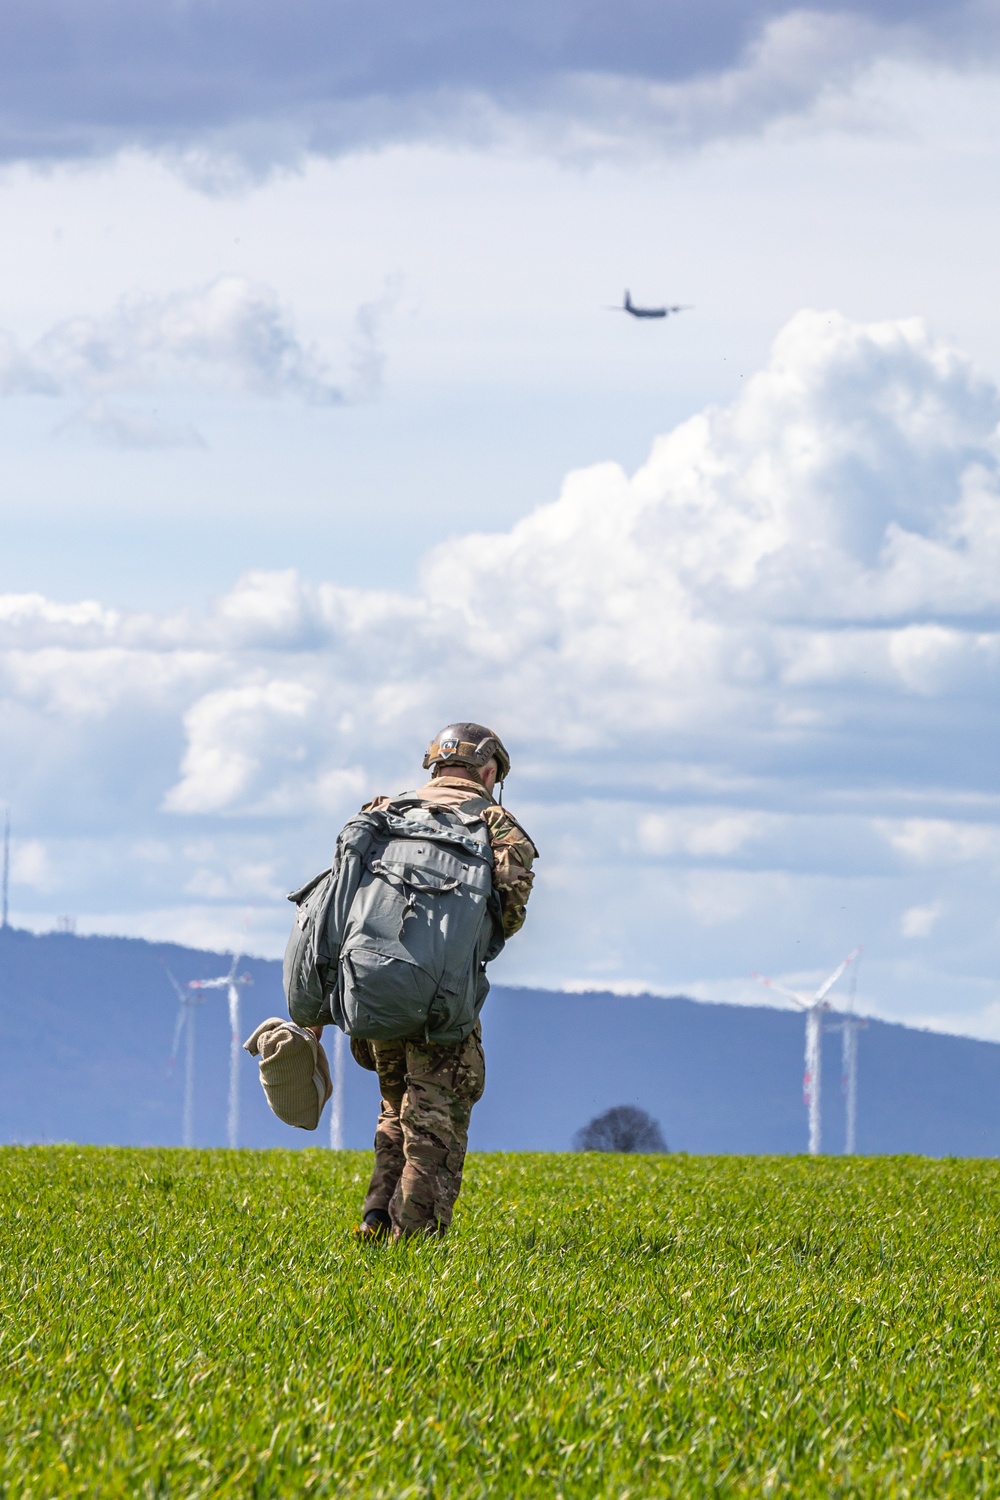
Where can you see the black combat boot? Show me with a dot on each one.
(376, 1225)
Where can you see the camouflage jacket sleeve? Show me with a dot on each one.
(513, 853)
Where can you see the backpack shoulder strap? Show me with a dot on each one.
(473, 810)
(306, 890)
(470, 811)
(405, 800)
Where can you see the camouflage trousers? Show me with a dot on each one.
(428, 1092)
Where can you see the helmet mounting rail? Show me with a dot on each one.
(471, 745)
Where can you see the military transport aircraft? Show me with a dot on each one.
(648, 312)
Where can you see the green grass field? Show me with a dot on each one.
(200, 1324)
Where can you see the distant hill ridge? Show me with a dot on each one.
(88, 1024)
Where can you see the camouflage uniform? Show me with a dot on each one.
(427, 1096)
(428, 1090)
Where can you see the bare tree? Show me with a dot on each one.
(623, 1128)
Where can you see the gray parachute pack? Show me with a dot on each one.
(392, 940)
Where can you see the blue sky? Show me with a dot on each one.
(318, 429)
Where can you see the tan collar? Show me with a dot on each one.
(459, 783)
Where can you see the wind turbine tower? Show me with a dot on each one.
(849, 1026)
(232, 984)
(813, 1006)
(185, 1027)
(337, 1098)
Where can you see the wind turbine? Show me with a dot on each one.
(849, 1025)
(337, 1098)
(185, 1025)
(232, 983)
(814, 1006)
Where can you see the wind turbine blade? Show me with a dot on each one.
(182, 1016)
(825, 989)
(802, 1003)
(178, 991)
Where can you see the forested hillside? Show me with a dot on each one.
(88, 1024)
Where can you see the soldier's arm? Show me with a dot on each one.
(513, 855)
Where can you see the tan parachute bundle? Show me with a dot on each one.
(294, 1071)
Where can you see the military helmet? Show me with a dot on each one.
(467, 745)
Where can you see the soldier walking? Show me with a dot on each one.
(429, 1086)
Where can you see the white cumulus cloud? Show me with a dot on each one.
(919, 921)
(232, 335)
(234, 736)
(750, 690)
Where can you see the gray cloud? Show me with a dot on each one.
(262, 82)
